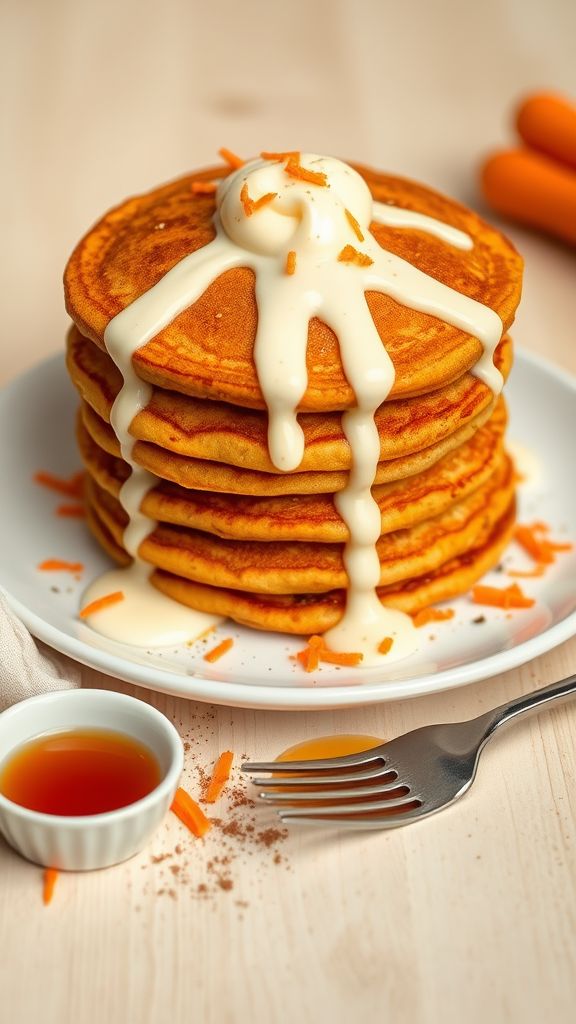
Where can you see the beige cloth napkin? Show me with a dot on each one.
(28, 668)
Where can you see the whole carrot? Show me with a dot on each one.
(532, 189)
(547, 122)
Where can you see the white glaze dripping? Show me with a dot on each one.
(312, 221)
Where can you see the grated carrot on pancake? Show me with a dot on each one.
(509, 597)
(292, 154)
(295, 170)
(291, 262)
(231, 158)
(58, 565)
(100, 603)
(426, 615)
(385, 645)
(71, 511)
(204, 188)
(354, 225)
(72, 488)
(351, 255)
(218, 651)
(190, 813)
(220, 777)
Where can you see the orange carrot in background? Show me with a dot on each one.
(220, 777)
(71, 511)
(100, 603)
(50, 878)
(190, 813)
(72, 487)
(547, 122)
(532, 189)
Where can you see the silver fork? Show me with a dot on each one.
(395, 783)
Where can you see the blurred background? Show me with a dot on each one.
(103, 99)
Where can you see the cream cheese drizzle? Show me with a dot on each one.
(313, 222)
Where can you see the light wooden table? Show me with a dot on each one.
(467, 917)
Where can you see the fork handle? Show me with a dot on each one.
(513, 709)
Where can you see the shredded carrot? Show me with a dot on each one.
(220, 650)
(385, 646)
(316, 652)
(509, 597)
(71, 511)
(220, 777)
(57, 565)
(426, 615)
(263, 201)
(293, 154)
(190, 813)
(72, 487)
(295, 170)
(351, 255)
(354, 225)
(204, 188)
(252, 205)
(231, 158)
(50, 879)
(542, 550)
(291, 262)
(516, 574)
(100, 603)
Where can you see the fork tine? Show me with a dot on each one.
(315, 780)
(344, 809)
(318, 764)
(359, 824)
(333, 794)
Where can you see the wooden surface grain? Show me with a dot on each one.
(471, 915)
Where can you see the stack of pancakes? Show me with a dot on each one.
(232, 535)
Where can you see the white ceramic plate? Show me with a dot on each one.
(36, 431)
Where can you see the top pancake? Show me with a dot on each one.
(206, 352)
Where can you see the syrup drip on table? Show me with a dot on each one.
(318, 220)
(81, 772)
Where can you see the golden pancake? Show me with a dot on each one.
(308, 517)
(224, 433)
(315, 613)
(207, 350)
(275, 567)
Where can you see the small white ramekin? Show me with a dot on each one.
(95, 840)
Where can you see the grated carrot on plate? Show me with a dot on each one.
(220, 777)
(354, 225)
(58, 565)
(50, 879)
(385, 645)
(291, 262)
(100, 603)
(351, 255)
(316, 652)
(218, 651)
(295, 170)
(190, 813)
(518, 575)
(231, 158)
(71, 511)
(426, 615)
(204, 188)
(509, 597)
(72, 488)
(539, 548)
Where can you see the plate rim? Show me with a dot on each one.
(288, 698)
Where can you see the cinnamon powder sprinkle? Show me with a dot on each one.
(351, 255)
(231, 158)
(354, 225)
(291, 262)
